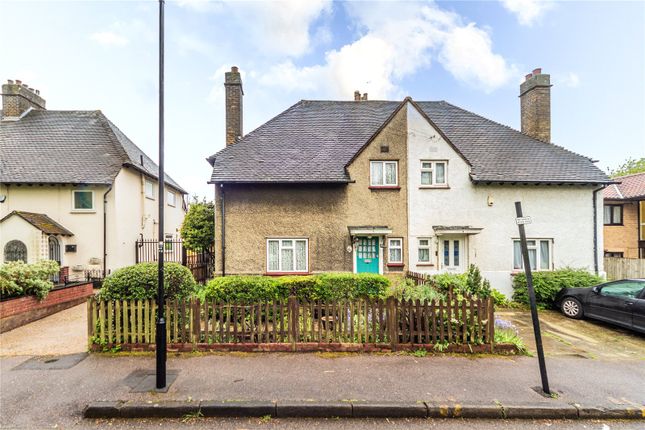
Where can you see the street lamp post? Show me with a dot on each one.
(161, 321)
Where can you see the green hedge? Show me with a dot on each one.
(20, 279)
(333, 286)
(140, 282)
(548, 284)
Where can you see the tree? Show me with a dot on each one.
(198, 229)
(629, 167)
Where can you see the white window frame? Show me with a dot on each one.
(390, 246)
(420, 247)
(383, 163)
(150, 196)
(74, 209)
(171, 196)
(538, 257)
(433, 173)
(280, 248)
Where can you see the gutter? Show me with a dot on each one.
(595, 228)
(105, 231)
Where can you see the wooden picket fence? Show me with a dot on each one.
(624, 268)
(384, 324)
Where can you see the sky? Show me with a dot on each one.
(104, 55)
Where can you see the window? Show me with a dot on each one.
(625, 289)
(539, 254)
(15, 250)
(424, 250)
(395, 251)
(434, 173)
(287, 255)
(384, 173)
(613, 214)
(83, 200)
(171, 199)
(613, 254)
(150, 189)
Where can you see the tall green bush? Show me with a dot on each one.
(198, 228)
(140, 282)
(332, 286)
(548, 284)
(20, 279)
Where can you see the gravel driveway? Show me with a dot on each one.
(64, 332)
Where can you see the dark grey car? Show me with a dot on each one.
(617, 302)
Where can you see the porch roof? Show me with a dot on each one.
(369, 230)
(42, 222)
(455, 229)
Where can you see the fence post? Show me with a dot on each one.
(184, 256)
(90, 321)
(197, 328)
(392, 324)
(136, 251)
(293, 321)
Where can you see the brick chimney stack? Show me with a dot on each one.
(17, 98)
(234, 114)
(535, 105)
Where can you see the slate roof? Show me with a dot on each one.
(313, 141)
(68, 147)
(631, 187)
(42, 222)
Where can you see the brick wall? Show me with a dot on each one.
(234, 94)
(22, 310)
(623, 238)
(535, 103)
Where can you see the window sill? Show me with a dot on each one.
(434, 187)
(426, 264)
(83, 211)
(613, 225)
(395, 265)
(287, 273)
(150, 198)
(384, 187)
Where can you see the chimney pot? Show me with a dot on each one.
(527, 77)
(357, 96)
(234, 69)
(537, 71)
(9, 81)
(38, 92)
(364, 97)
(18, 82)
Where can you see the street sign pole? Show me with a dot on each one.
(521, 221)
(161, 321)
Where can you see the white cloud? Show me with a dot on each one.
(397, 40)
(571, 80)
(109, 38)
(528, 11)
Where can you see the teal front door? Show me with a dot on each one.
(367, 251)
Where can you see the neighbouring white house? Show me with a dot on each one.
(74, 188)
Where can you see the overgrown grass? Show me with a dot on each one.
(506, 332)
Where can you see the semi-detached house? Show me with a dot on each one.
(390, 186)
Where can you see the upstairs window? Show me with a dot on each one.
(287, 255)
(613, 214)
(434, 173)
(149, 189)
(539, 254)
(83, 200)
(384, 173)
(171, 198)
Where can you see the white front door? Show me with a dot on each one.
(453, 254)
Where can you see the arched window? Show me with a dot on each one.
(54, 249)
(15, 250)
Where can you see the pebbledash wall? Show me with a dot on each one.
(129, 214)
(561, 213)
(321, 213)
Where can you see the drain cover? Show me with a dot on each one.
(49, 362)
(144, 380)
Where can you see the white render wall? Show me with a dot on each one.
(561, 213)
(129, 214)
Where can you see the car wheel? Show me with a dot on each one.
(572, 308)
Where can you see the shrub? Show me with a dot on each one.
(444, 281)
(548, 284)
(408, 290)
(333, 286)
(20, 279)
(499, 298)
(198, 228)
(140, 282)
